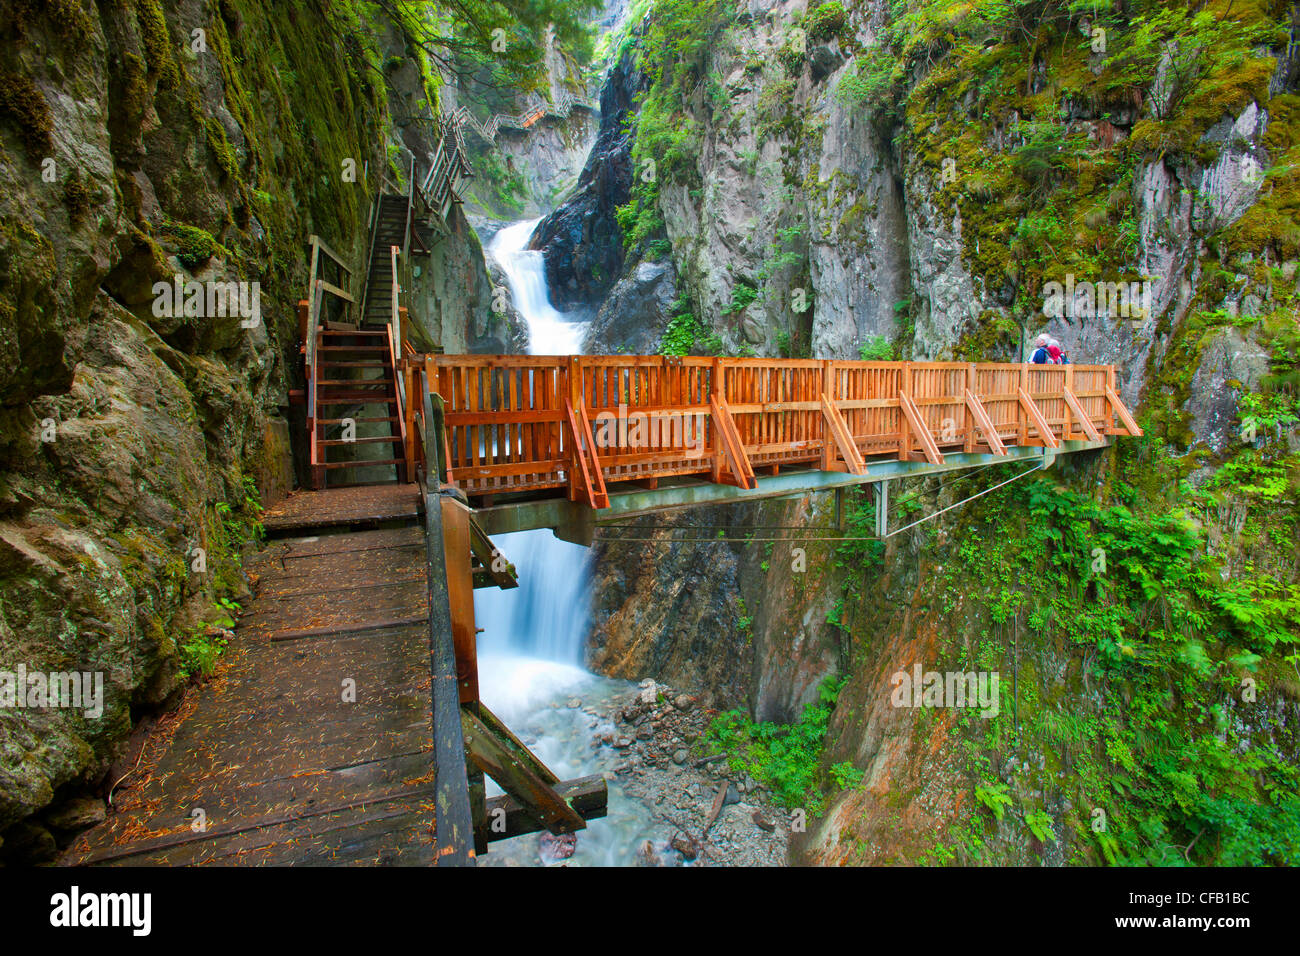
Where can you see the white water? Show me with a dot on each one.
(531, 647)
(549, 332)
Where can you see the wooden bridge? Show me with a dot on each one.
(347, 726)
(538, 441)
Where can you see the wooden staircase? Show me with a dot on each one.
(389, 230)
(354, 341)
(355, 390)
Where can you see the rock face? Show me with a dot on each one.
(745, 621)
(581, 241)
(633, 315)
(543, 161)
(135, 439)
(848, 230)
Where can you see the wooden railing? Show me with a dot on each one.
(561, 104)
(517, 423)
(310, 313)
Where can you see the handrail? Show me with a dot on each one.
(516, 422)
(410, 209)
(453, 817)
(370, 257)
(561, 105)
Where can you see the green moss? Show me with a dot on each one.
(77, 196)
(67, 19)
(157, 43)
(222, 151)
(827, 21)
(22, 104)
(194, 246)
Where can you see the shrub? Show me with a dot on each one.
(827, 21)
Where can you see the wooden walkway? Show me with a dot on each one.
(282, 765)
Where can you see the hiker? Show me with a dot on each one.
(1054, 352)
(1040, 356)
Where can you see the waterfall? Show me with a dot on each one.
(532, 640)
(531, 647)
(549, 332)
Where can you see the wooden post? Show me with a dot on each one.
(828, 396)
(460, 595)
(716, 393)
(1022, 416)
(1067, 431)
(576, 398)
(413, 400)
(971, 380)
(904, 432)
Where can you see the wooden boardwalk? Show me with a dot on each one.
(283, 763)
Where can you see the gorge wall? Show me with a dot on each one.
(139, 142)
(904, 181)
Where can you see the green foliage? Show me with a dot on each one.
(875, 85)
(506, 188)
(844, 775)
(674, 47)
(194, 246)
(876, 348)
(464, 34)
(785, 757)
(200, 651)
(826, 21)
(860, 550)
(1040, 825)
(742, 294)
(1165, 638)
(685, 335)
(994, 796)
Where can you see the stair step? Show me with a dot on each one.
(372, 398)
(390, 439)
(352, 382)
(378, 363)
(352, 348)
(340, 421)
(360, 464)
(335, 333)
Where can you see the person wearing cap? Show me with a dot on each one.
(1041, 356)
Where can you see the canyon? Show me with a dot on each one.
(777, 178)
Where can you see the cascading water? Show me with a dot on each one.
(549, 331)
(531, 648)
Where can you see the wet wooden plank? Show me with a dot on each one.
(315, 743)
(343, 507)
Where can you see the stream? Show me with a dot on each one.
(531, 647)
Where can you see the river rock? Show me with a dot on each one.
(553, 848)
(679, 757)
(686, 846)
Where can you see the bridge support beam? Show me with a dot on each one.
(880, 493)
